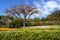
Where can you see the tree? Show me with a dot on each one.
(54, 16)
(25, 10)
(4, 20)
(36, 19)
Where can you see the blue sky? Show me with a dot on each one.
(45, 6)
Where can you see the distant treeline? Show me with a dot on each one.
(52, 19)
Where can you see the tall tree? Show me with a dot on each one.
(26, 10)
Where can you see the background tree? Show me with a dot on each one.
(22, 11)
(54, 16)
(5, 20)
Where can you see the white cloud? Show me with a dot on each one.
(47, 7)
(36, 4)
(51, 4)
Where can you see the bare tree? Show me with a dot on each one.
(26, 10)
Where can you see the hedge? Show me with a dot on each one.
(29, 35)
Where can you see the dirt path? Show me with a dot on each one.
(39, 26)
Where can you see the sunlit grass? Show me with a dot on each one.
(50, 28)
(8, 29)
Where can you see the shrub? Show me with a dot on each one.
(30, 24)
(16, 23)
(29, 35)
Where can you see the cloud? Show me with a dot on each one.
(51, 4)
(36, 4)
(47, 7)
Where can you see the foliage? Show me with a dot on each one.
(52, 19)
(31, 34)
(26, 10)
(54, 16)
(5, 20)
(16, 23)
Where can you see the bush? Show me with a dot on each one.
(29, 35)
(30, 24)
(16, 23)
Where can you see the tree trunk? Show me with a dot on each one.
(24, 23)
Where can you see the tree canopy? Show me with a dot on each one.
(25, 10)
(54, 16)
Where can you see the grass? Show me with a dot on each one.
(8, 29)
(28, 33)
(47, 28)
(33, 28)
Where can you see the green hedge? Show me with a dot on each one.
(29, 35)
(16, 23)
